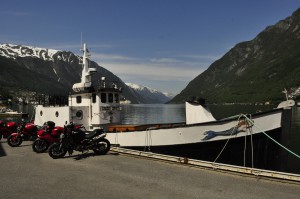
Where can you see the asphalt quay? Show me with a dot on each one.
(25, 174)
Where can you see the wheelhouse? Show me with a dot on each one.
(92, 105)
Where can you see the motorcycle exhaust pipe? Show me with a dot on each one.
(100, 137)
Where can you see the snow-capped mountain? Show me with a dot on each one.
(151, 95)
(14, 51)
(47, 71)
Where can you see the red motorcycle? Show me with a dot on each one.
(7, 128)
(46, 136)
(25, 131)
(77, 139)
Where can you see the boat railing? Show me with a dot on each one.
(110, 108)
(52, 100)
(110, 85)
(143, 127)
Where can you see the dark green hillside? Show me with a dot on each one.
(17, 77)
(54, 75)
(253, 71)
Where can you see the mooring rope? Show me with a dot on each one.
(148, 140)
(248, 129)
(252, 152)
(288, 150)
(245, 148)
(232, 131)
(117, 140)
(251, 133)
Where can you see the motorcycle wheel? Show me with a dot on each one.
(40, 146)
(14, 141)
(54, 151)
(102, 147)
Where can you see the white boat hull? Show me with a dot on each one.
(245, 148)
(195, 133)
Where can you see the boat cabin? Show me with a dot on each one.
(91, 105)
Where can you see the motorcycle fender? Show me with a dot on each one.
(14, 134)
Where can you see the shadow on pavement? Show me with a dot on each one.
(2, 152)
(86, 155)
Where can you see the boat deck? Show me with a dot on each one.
(132, 127)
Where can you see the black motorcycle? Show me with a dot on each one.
(76, 139)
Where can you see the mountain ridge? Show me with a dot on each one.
(47, 71)
(151, 95)
(53, 71)
(253, 71)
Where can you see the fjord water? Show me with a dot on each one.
(174, 113)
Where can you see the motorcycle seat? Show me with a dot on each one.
(93, 133)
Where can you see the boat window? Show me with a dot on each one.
(110, 98)
(79, 114)
(78, 99)
(56, 114)
(103, 97)
(94, 98)
(117, 98)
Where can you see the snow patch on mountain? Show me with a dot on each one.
(141, 88)
(14, 51)
(151, 95)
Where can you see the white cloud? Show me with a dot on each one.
(202, 57)
(164, 60)
(151, 71)
(111, 57)
(155, 69)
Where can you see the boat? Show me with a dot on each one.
(6, 112)
(201, 136)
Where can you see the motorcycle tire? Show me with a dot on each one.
(54, 151)
(40, 146)
(14, 141)
(102, 147)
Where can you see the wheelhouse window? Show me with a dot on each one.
(78, 99)
(103, 97)
(94, 97)
(110, 98)
(117, 98)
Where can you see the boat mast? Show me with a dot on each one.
(86, 79)
(85, 76)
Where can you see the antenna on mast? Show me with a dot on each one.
(81, 47)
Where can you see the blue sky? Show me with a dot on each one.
(162, 44)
